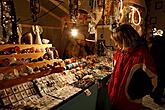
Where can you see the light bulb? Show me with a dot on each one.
(74, 32)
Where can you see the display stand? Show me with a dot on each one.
(56, 85)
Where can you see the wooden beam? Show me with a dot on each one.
(47, 27)
(61, 7)
(50, 13)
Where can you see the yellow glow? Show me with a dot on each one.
(158, 32)
(74, 32)
(121, 6)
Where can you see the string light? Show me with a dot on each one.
(133, 14)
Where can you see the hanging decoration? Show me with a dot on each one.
(103, 18)
(1, 33)
(95, 14)
(77, 16)
(157, 32)
(115, 14)
(8, 22)
(135, 19)
(73, 14)
(113, 9)
(73, 10)
(91, 28)
(37, 30)
(107, 11)
(92, 23)
(125, 15)
(35, 9)
(134, 10)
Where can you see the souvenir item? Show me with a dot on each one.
(29, 93)
(1, 76)
(9, 91)
(16, 73)
(12, 98)
(28, 70)
(20, 87)
(2, 93)
(6, 101)
(15, 89)
(45, 41)
(25, 85)
(29, 38)
(23, 94)
(37, 31)
(18, 96)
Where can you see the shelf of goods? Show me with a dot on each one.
(51, 84)
(25, 46)
(25, 56)
(23, 71)
(23, 51)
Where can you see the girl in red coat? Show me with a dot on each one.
(134, 75)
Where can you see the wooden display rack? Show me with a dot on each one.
(25, 55)
(18, 80)
(9, 83)
(39, 64)
(25, 46)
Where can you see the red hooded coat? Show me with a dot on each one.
(127, 63)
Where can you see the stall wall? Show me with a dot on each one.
(156, 15)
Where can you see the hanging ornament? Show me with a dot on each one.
(91, 28)
(35, 9)
(73, 10)
(96, 11)
(116, 9)
(135, 10)
(8, 22)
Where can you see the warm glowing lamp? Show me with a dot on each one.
(74, 32)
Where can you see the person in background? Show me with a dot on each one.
(90, 47)
(134, 73)
(157, 51)
(76, 47)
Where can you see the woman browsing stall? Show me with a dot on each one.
(134, 74)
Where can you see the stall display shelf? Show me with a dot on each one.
(25, 55)
(9, 69)
(54, 87)
(9, 83)
(28, 77)
(24, 46)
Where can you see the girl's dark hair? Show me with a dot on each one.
(125, 34)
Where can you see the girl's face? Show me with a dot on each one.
(117, 44)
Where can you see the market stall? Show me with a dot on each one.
(33, 75)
